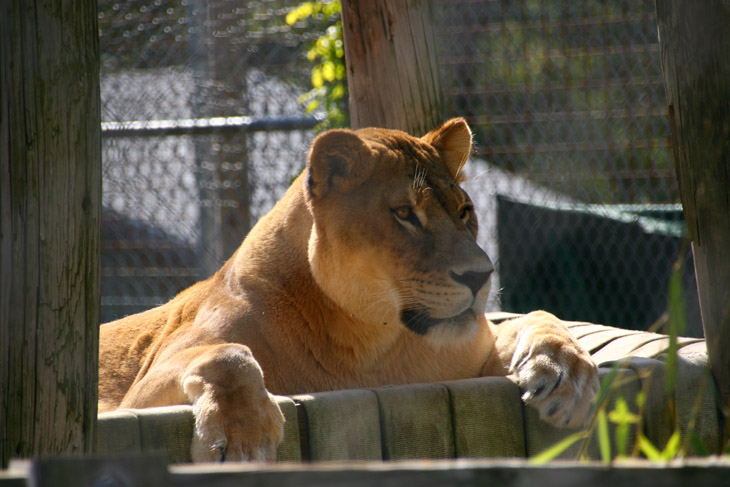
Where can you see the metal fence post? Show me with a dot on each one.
(223, 158)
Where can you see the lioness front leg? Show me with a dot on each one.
(236, 419)
(556, 374)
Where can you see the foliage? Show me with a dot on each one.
(567, 92)
(329, 83)
(676, 321)
(621, 416)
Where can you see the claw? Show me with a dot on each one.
(557, 382)
(554, 407)
(220, 447)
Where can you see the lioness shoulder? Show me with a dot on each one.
(367, 272)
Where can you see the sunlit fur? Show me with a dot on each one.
(366, 273)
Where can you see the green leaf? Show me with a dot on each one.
(623, 418)
(312, 106)
(648, 449)
(607, 384)
(621, 413)
(328, 71)
(305, 9)
(292, 18)
(323, 45)
(329, 74)
(677, 324)
(317, 78)
(558, 448)
(338, 91)
(698, 445)
(604, 441)
(672, 447)
(331, 8)
(622, 439)
(640, 399)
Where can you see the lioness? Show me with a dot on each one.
(366, 273)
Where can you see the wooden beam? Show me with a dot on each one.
(694, 38)
(462, 472)
(50, 205)
(392, 73)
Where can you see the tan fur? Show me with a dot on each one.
(314, 300)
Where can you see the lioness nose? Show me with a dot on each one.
(471, 279)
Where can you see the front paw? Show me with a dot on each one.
(557, 375)
(248, 430)
(236, 419)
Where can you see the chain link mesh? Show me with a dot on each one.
(571, 175)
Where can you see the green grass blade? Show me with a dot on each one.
(677, 324)
(606, 384)
(672, 447)
(648, 449)
(555, 450)
(604, 441)
(698, 445)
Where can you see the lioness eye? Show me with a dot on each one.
(405, 213)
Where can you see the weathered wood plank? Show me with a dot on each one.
(392, 71)
(150, 470)
(120, 471)
(452, 473)
(50, 203)
(694, 38)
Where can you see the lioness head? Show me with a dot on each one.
(394, 236)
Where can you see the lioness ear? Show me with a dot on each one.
(453, 141)
(338, 159)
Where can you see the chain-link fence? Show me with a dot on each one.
(202, 134)
(572, 173)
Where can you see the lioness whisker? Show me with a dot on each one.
(486, 171)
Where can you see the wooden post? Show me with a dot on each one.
(50, 203)
(392, 73)
(694, 38)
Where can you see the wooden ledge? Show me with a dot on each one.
(151, 471)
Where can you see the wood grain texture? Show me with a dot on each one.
(150, 471)
(462, 473)
(50, 203)
(392, 71)
(695, 42)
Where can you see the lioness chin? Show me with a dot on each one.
(366, 273)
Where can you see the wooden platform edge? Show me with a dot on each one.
(144, 470)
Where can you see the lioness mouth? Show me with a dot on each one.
(419, 321)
